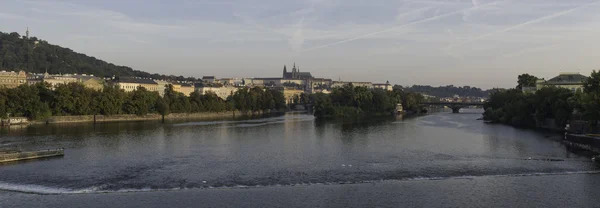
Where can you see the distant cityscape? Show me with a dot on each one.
(292, 83)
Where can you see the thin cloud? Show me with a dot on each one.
(401, 16)
(297, 39)
(526, 51)
(544, 18)
(397, 27)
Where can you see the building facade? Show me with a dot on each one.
(209, 79)
(569, 80)
(12, 79)
(355, 84)
(289, 94)
(186, 89)
(54, 80)
(129, 84)
(387, 86)
(90, 81)
(221, 92)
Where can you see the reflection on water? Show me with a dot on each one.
(289, 149)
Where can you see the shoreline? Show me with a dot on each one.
(148, 117)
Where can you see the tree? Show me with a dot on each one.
(592, 83)
(25, 101)
(17, 52)
(141, 102)
(445, 91)
(110, 100)
(73, 99)
(162, 107)
(178, 102)
(526, 80)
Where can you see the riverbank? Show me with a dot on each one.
(148, 117)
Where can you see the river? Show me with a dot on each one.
(437, 160)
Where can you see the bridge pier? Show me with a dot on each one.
(456, 109)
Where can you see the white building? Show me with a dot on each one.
(222, 92)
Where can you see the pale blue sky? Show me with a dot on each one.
(483, 43)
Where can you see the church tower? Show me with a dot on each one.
(284, 71)
(294, 70)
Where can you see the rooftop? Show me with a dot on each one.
(567, 78)
(135, 80)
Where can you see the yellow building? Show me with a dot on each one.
(12, 79)
(55, 80)
(387, 86)
(162, 86)
(289, 94)
(129, 84)
(568, 80)
(186, 89)
(221, 92)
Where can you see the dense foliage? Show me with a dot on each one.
(38, 101)
(351, 101)
(526, 80)
(523, 109)
(529, 109)
(448, 91)
(37, 56)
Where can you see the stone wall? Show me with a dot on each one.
(132, 117)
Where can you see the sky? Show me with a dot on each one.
(481, 43)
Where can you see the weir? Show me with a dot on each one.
(11, 156)
(582, 141)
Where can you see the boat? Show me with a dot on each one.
(13, 155)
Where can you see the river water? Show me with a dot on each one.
(284, 151)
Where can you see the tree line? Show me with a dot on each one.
(351, 101)
(38, 56)
(449, 91)
(38, 101)
(529, 109)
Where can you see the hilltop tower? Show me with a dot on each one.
(27, 33)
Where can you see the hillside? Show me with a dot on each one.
(33, 55)
(448, 91)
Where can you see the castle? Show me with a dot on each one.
(295, 74)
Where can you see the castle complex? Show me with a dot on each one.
(295, 74)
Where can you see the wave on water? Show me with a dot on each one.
(32, 188)
(46, 190)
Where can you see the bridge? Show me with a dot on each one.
(455, 106)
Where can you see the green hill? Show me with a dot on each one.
(37, 56)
